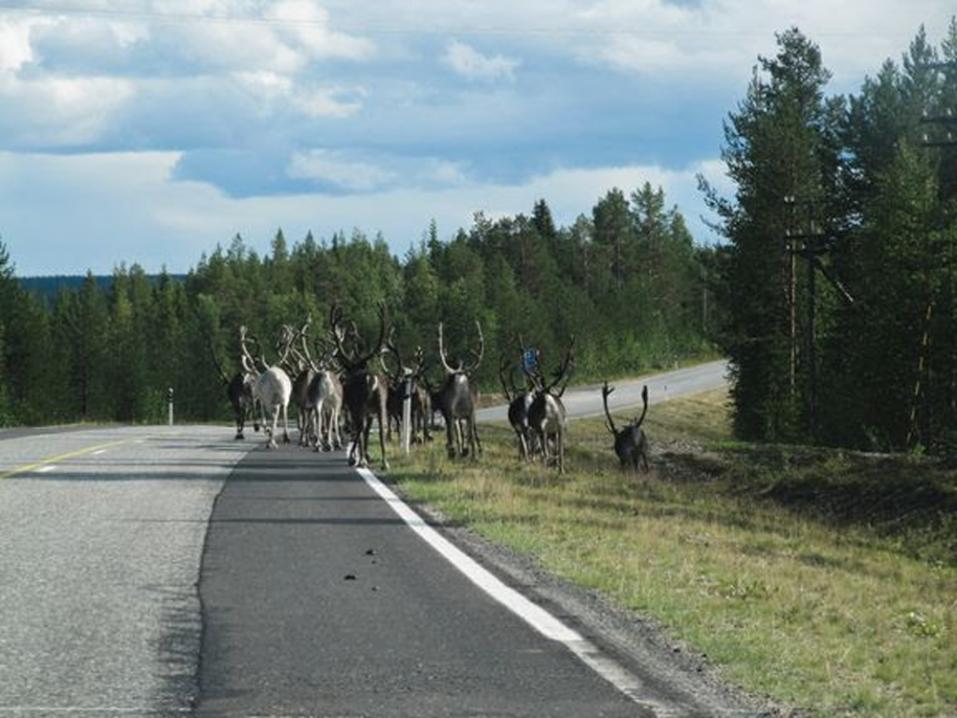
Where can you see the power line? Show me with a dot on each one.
(176, 17)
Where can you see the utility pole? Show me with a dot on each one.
(947, 121)
(811, 246)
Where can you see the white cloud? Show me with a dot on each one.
(308, 26)
(473, 65)
(59, 110)
(15, 49)
(329, 167)
(328, 101)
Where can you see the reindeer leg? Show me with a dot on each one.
(335, 427)
(522, 447)
(561, 450)
(385, 461)
(271, 444)
(475, 436)
(450, 441)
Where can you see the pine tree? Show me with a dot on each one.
(778, 144)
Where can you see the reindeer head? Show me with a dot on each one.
(560, 377)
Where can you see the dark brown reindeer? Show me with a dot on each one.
(407, 381)
(518, 402)
(546, 413)
(365, 391)
(457, 396)
(631, 444)
(239, 391)
(303, 371)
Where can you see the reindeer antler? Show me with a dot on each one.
(377, 347)
(505, 364)
(338, 336)
(442, 357)
(564, 371)
(644, 399)
(605, 391)
(248, 362)
(481, 352)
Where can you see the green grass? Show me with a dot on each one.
(824, 579)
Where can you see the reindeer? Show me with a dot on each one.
(457, 398)
(239, 391)
(324, 400)
(406, 382)
(304, 372)
(631, 444)
(271, 388)
(365, 392)
(518, 403)
(546, 413)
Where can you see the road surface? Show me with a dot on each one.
(173, 571)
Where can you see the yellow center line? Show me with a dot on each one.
(60, 457)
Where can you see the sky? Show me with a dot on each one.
(150, 131)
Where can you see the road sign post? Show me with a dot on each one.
(169, 399)
(407, 416)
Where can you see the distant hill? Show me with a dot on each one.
(49, 286)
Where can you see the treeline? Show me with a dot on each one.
(855, 342)
(627, 281)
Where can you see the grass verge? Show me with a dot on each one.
(823, 579)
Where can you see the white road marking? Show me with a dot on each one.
(97, 453)
(101, 710)
(45, 469)
(534, 615)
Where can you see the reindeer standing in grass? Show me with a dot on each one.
(457, 398)
(631, 444)
(519, 400)
(546, 413)
(406, 382)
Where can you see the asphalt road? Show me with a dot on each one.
(586, 401)
(128, 588)
(101, 533)
(321, 601)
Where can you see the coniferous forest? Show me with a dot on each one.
(833, 294)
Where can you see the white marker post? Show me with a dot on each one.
(169, 397)
(407, 417)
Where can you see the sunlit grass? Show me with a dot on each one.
(823, 610)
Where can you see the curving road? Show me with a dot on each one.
(586, 401)
(158, 571)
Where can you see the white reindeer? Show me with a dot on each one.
(271, 389)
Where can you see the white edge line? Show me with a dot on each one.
(534, 615)
(45, 469)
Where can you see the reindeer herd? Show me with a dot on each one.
(372, 381)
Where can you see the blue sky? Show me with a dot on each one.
(151, 130)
